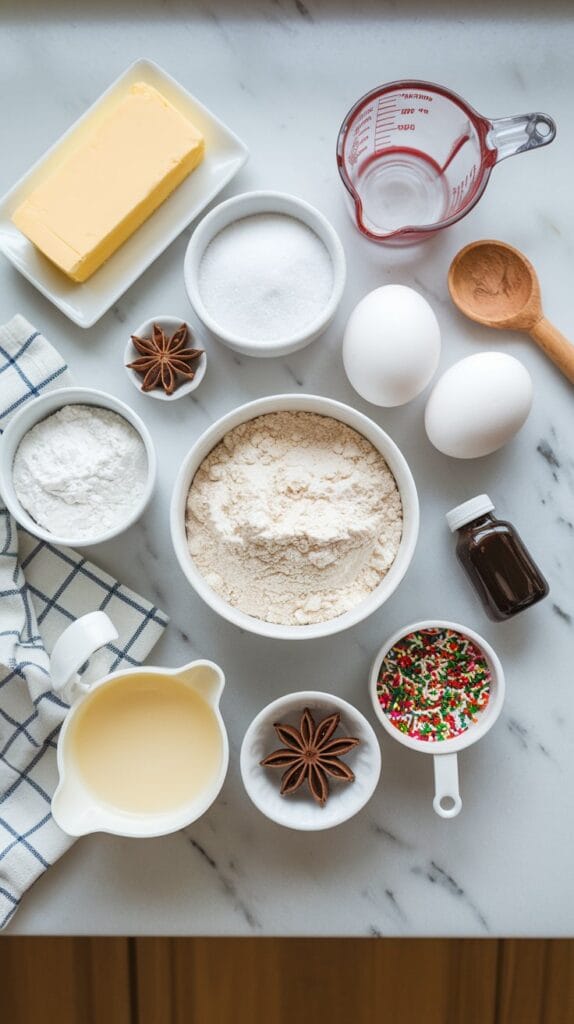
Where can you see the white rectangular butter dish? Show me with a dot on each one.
(86, 303)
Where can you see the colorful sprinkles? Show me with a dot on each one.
(433, 684)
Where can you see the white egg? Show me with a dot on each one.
(391, 346)
(478, 405)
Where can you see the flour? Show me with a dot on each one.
(80, 472)
(266, 277)
(293, 518)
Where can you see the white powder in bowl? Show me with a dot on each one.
(80, 471)
(266, 277)
(293, 518)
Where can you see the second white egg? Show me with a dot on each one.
(391, 346)
(478, 405)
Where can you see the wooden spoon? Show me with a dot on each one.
(494, 284)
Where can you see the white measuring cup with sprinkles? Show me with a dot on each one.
(438, 687)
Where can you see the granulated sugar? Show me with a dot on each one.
(266, 277)
(294, 518)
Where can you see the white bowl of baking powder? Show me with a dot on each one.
(38, 410)
(265, 273)
(323, 407)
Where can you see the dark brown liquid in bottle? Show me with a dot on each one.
(500, 567)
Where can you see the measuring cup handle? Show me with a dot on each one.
(76, 645)
(518, 134)
(447, 802)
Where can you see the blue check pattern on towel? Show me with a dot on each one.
(43, 588)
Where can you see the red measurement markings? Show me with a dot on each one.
(385, 120)
(386, 116)
(460, 193)
(416, 96)
(363, 124)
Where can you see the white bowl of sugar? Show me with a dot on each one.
(265, 273)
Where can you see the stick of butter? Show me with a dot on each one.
(104, 190)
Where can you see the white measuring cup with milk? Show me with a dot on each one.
(447, 801)
(142, 751)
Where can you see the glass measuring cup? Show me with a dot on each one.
(447, 801)
(415, 157)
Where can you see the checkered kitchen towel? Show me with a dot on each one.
(42, 589)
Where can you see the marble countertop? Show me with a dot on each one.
(282, 75)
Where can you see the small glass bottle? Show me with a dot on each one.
(501, 569)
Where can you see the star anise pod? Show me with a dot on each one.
(164, 361)
(310, 754)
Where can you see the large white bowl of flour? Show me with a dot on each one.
(255, 543)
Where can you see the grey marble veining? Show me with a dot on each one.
(283, 74)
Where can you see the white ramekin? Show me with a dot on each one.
(168, 324)
(324, 407)
(246, 205)
(301, 812)
(38, 409)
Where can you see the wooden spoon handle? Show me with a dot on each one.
(555, 345)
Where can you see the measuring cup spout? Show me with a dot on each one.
(72, 810)
(206, 678)
(518, 134)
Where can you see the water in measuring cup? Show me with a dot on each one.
(402, 187)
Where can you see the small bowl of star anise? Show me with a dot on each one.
(310, 761)
(162, 359)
